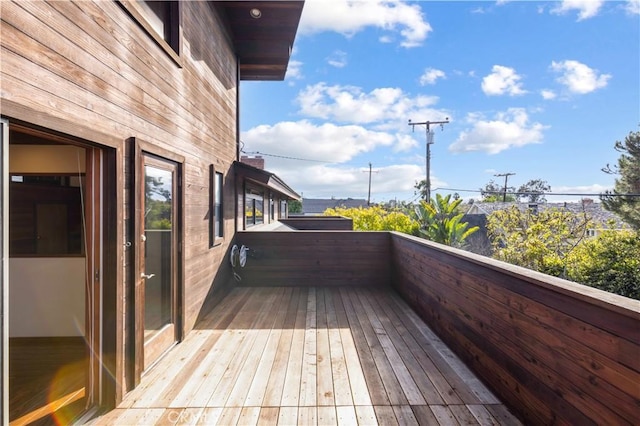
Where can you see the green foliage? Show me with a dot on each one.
(440, 221)
(610, 262)
(628, 168)
(421, 188)
(538, 241)
(157, 204)
(376, 218)
(533, 191)
(493, 193)
(295, 206)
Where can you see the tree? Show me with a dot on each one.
(610, 262)
(376, 218)
(440, 221)
(421, 188)
(533, 191)
(628, 168)
(539, 241)
(295, 206)
(493, 193)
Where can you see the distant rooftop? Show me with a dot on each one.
(317, 206)
(595, 210)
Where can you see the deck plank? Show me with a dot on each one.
(310, 355)
(390, 382)
(291, 387)
(325, 389)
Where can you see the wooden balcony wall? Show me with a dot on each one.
(554, 351)
(319, 223)
(315, 258)
(89, 70)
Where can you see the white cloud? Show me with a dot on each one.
(502, 80)
(338, 59)
(348, 17)
(507, 130)
(386, 107)
(586, 8)
(578, 77)
(548, 94)
(431, 75)
(633, 7)
(336, 145)
(294, 70)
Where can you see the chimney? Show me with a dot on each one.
(257, 161)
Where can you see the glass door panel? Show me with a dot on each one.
(158, 269)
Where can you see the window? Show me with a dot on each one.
(46, 215)
(253, 207)
(216, 215)
(218, 206)
(160, 19)
(272, 209)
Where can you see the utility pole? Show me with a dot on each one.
(506, 176)
(369, 196)
(429, 137)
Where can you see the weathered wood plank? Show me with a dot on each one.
(324, 360)
(308, 379)
(390, 382)
(377, 393)
(291, 386)
(340, 374)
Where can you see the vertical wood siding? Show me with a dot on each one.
(88, 67)
(554, 351)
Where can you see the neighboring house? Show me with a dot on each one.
(262, 196)
(121, 186)
(477, 214)
(317, 206)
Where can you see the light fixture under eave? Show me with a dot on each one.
(255, 13)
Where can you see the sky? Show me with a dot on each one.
(539, 89)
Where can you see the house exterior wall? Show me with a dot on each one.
(90, 71)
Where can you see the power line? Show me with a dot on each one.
(575, 194)
(506, 176)
(429, 140)
(285, 157)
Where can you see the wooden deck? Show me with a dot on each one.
(310, 355)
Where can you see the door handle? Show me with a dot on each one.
(145, 276)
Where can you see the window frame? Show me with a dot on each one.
(216, 181)
(173, 46)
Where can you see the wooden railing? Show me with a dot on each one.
(315, 258)
(319, 223)
(554, 351)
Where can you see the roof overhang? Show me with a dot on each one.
(262, 33)
(265, 179)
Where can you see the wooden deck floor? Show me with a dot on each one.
(310, 356)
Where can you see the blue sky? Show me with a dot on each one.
(539, 89)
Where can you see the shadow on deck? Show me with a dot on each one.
(340, 327)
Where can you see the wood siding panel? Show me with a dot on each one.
(555, 354)
(315, 258)
(319, 223)
(72, 66)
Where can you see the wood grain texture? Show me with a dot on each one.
(294, 341)
(87, 70)
(553, 352)
(315, 258)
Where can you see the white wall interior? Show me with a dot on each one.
(47, 294)
(47, 297)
